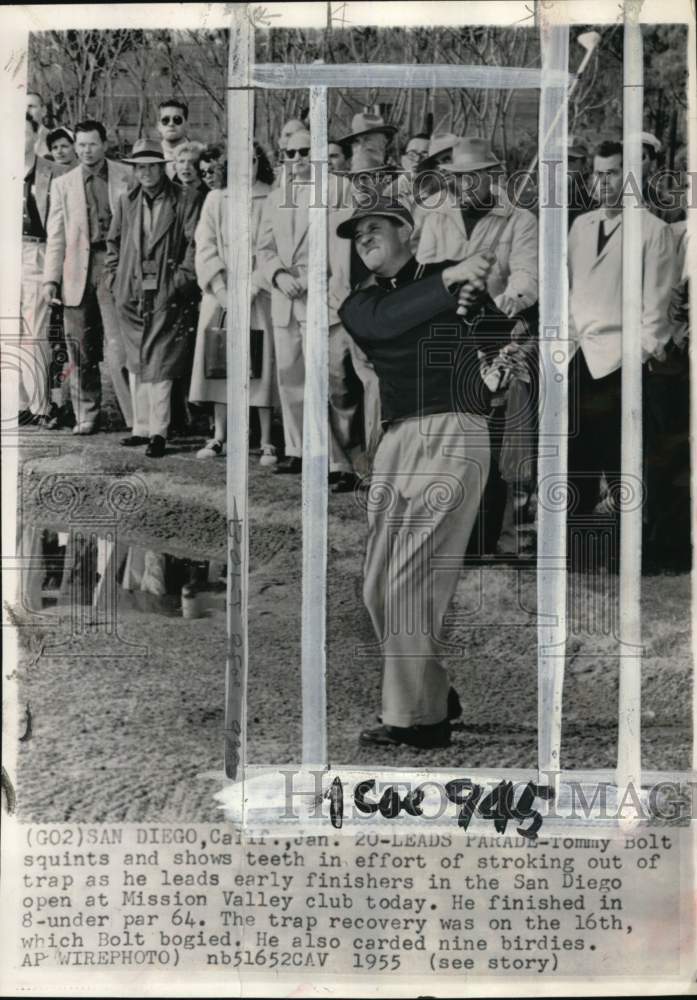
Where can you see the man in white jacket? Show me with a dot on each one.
(595, 323)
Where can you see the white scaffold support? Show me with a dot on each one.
(553, 406)
(239, 287)
(315, 452)
(629, 711)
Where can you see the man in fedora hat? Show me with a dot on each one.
(370, 135)
(354, 399)
(82, 202)
(435, 432)
(475, 216)
(150, 268)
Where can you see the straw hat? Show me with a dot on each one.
(145, 151)
(366, 122)
(438, 144)
(471, 154)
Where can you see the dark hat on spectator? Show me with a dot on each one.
(366, 122)
(472, 154)
(388, 208)
(145, 151)
(60, 132)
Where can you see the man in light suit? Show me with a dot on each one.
(82, 204)
(595, 324)
(34, 388)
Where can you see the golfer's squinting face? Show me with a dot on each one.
(608, 180)
(380, 243)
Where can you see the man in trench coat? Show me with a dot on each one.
(150, 264)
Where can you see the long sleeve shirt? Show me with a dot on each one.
(424, 354)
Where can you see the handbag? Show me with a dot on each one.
(215, 353)
(215, 345)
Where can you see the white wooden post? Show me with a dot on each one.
(240, 113)
(315, 452)
(553, 413)
(629, 731)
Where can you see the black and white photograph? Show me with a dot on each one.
(347, 439)
(436, 395)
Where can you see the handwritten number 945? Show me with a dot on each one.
(498, 805)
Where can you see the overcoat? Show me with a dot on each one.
(157, 340)
(212, 259)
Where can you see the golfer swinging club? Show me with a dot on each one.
(433, 460)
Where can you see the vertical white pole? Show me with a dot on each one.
(315, 452)
(553, 413)
(240, 111)
(692, 270)
(629, 732)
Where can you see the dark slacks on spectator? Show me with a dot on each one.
(595, 435)
(92, 334)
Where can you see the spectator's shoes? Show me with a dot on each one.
(421, 737)
(25, 418)
(268, 455)
(134, 441)
(86, 428)
(346, 483)
(156, 448)
(211, 449)
(290, 467)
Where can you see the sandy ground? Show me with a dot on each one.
(120, 737)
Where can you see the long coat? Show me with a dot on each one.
(156, 342)
(67, 258)
(212, 259)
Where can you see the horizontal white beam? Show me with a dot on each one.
(280, 76)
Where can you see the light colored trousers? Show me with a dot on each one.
(35, 349)
(151, 406)
(343, 406)
(289, 345)
(84, 325)
(428, 478)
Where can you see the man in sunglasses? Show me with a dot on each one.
(171, 125)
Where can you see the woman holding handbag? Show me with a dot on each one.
(209, 376)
